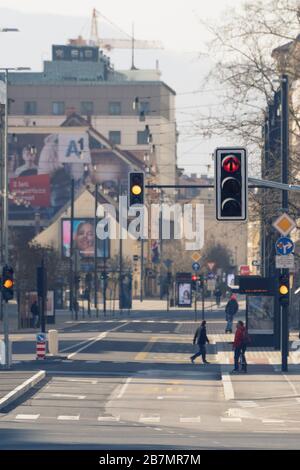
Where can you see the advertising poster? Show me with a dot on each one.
(184, 294)
(260, 314)
(83, 239)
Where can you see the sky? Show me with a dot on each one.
(178, 24)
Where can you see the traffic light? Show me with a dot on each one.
(231, 183)
(136, 188)
(7, 283)
(284, 289)
(194, 281)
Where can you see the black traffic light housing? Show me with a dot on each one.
(284, 289)
(194, 281)
(231, 183)
(7, 283)
(136, 188)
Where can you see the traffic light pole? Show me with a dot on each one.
(285, 204)
(5, 220)
(71, 303)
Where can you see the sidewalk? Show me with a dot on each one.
(264, 379)
(14, 384)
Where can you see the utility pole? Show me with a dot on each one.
(95, 255)
(71, 280)
(285, 207)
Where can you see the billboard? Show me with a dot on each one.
(42, 165)
(184, 294)
(84, 239)
(260, 313)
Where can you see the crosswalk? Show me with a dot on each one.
(200, 422)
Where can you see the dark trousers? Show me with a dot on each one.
(201, 352)
(240, 353)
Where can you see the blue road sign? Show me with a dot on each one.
(210, 276)
(196, 266)
(284, 246)
(41, 338)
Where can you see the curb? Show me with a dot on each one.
(22, 389)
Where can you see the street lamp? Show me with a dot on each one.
(5, 204)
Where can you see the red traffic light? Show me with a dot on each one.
(194, 277)
(231, 164)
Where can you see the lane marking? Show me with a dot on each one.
(68, 418)
(195, 419)
(231, 420)
(64, 395)
(77, 344)
(98, 338)
(31, 417)
(247, 404)
(227, 386)
(124, 387)
(149, 419)
(20, 389)
(108, 418)
(143, 354)
(272, 421)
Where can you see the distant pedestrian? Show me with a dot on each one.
(218, 295)
(241, 341)
(231, 309)
(34, 309)
(201, 339)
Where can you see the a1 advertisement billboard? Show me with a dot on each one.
(184, 294)
(84, 239)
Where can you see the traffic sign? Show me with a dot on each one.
(196, 256)
(255, 263)
(284, 224)
(245, 270)
(211, 265)
(285, 262)
(41, 338)
(210, 276)
(284, 246)
(168, 263)
(196, 266)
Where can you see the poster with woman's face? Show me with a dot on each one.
(184, 294)
(84, 239)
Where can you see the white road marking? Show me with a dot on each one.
(231, 420)
(272, 421)
(227, 386)
(124, 387)
(149, 419)
(98, 338)
(195, 419)
(108, 418)
(64, 395)
(68, 418)
(32, 417)
(92, 362)
(247, 404)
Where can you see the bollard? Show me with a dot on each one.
(2, 352)
(53, 342)
(40, 346)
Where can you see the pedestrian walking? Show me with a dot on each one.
(241, 341)
(34, 309)
(231, 309)
(201, 339)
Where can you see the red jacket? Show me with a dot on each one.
(239, 337)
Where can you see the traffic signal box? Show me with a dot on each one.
(284, 289)
(7, 283)
(194, 281)
(136, 188)
(231, 183)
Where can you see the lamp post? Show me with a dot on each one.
(5, 204)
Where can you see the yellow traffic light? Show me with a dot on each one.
(8, 284)
(136, 190)
(283, 290)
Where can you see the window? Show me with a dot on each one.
(30, 107)
(115, 137)
(145, 107)
(58, 107)
(87, 108)
(114, 108)
(142, 138)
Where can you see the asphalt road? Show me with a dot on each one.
(129, 384)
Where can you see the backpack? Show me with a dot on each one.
(246, 339)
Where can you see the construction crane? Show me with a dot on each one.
(118, 43)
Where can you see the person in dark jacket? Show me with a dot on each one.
(231, 309)
(201, 339)
(35, 313)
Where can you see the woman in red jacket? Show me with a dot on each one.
(239, 346)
